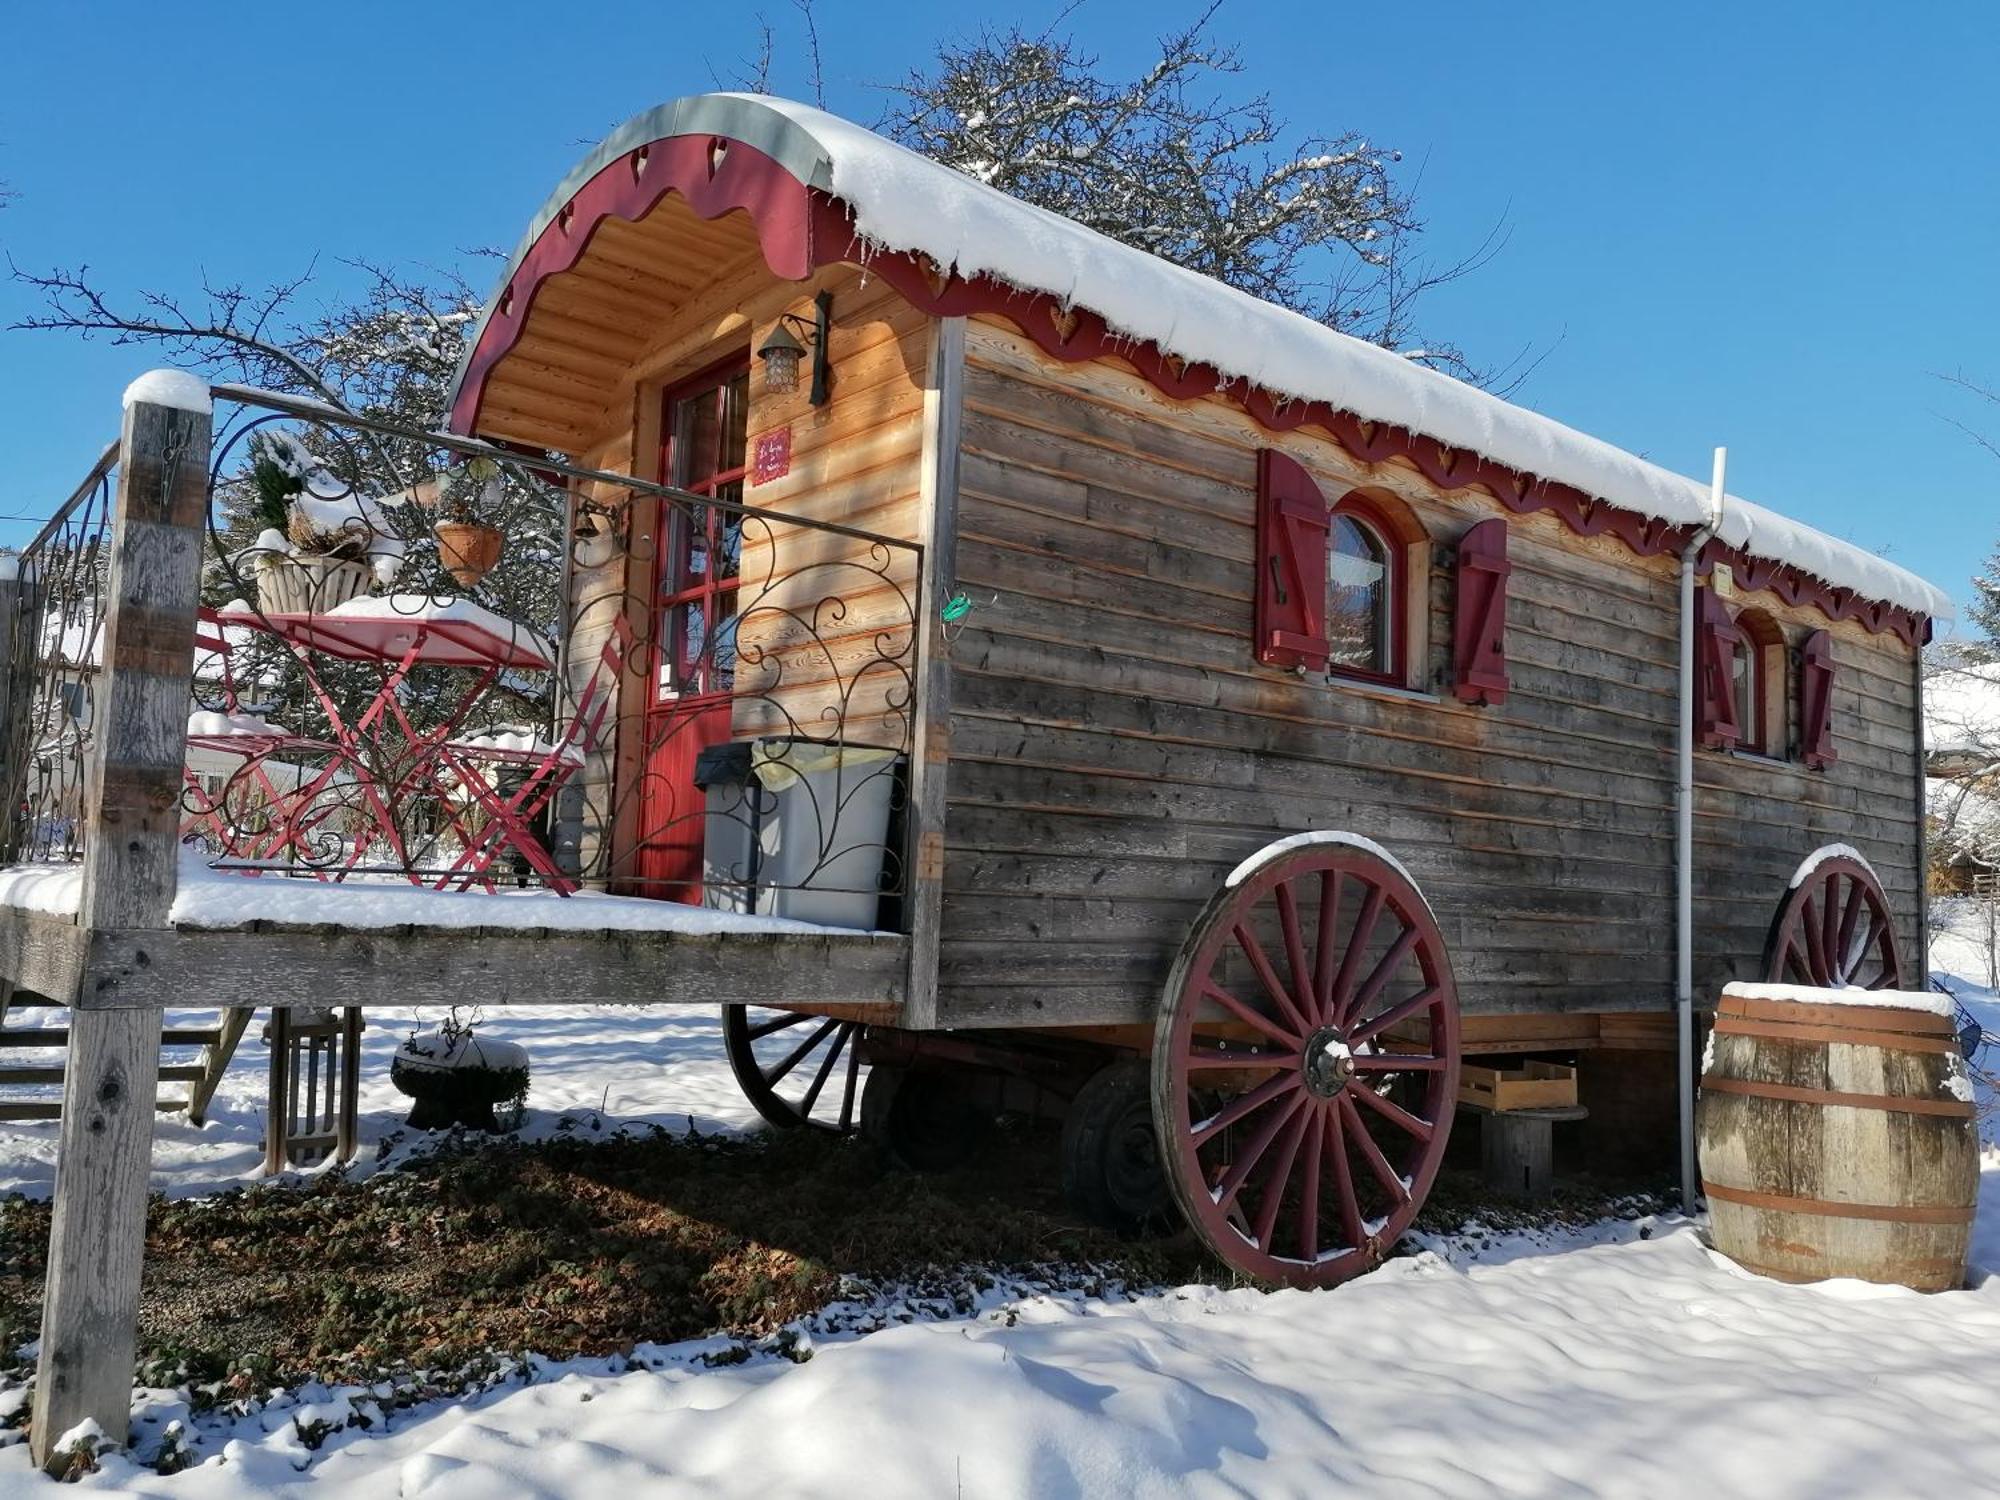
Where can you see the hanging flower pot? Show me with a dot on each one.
(467, 549)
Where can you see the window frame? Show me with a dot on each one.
(1764, 733)
(1388, 536)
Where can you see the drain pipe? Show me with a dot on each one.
(1684, 836)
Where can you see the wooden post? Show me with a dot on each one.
(131, 844)
(930, 750)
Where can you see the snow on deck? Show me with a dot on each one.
(227, 898)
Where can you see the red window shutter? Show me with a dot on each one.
(1816, 700)
(1292, 532)
(1479, 621)
(1715, 640)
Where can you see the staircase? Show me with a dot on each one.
(192, 1060)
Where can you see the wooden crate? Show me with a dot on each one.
(1533, 1085)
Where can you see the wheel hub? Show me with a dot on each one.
(1328, 1063)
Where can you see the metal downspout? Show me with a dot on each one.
(1684, 839)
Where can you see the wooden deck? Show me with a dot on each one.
(269, 963)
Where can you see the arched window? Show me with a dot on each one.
(1364, 594)
(1758, 680)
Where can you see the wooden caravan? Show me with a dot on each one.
(1281, 713)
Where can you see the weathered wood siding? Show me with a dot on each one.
(826, 644)
(1115, 748)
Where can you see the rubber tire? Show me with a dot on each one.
(918, 1117)
(1111, 1171)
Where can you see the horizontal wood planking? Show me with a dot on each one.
(1115, 748)
(267, 964)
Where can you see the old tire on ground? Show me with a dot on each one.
(1834, 930)
(1111, 1171)
(796, 1070)
(1305, 1062)
(920, 1117)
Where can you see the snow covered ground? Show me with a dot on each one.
(599, 1066)
(1626, 1359)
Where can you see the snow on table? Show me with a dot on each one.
(227, 898)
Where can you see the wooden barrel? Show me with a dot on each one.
(1838, 1138)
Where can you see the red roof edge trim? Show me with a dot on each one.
(802, 229)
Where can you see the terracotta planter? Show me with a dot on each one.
(309, 584)
(468, 549)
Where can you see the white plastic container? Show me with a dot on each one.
(822, 840)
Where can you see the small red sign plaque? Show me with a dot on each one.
(772, 456)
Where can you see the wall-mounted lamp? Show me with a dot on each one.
(781, 350)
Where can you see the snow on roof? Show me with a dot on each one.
(902, 201)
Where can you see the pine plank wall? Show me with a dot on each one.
(1115, 748)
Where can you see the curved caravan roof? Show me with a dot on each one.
(821, 189)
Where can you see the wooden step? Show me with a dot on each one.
(178, 1073)
(58, 1036)
(12, 1111)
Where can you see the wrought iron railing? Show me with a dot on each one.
(425, 658)
(55, 653)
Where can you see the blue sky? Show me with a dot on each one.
(1767, 225)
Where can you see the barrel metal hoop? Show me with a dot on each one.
(1893, 1213)
(1866, 1018)
(1899, 1103)
(1780, 1032)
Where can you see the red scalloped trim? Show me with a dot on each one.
(801, 229)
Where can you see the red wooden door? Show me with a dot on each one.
(694, 625)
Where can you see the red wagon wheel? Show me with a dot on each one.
(795, 1069)
(1305, 1063)
(1834, 929)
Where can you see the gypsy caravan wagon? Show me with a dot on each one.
(992, 655)
(1289, 721)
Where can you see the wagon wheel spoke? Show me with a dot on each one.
(1250, 1017)
(825, 1067)
(1357, 946)
(1395, 1114)
(1398, 1062)
(780, 1023)
(1380, 976)
(1309, 1187)
(1295, 955)
(1392, 1184)
(1215, 1057)
(797, 1054)
(1268, 977)
(1816, 965)
(1280, 1175)
(849, 1089)
(1351, 1227)
(1245, 1105)
(1394, 1015)
(1246, 1161)
(1330, 886)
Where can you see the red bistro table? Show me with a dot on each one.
(396, 634)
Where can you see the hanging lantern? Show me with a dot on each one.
(781, 353)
